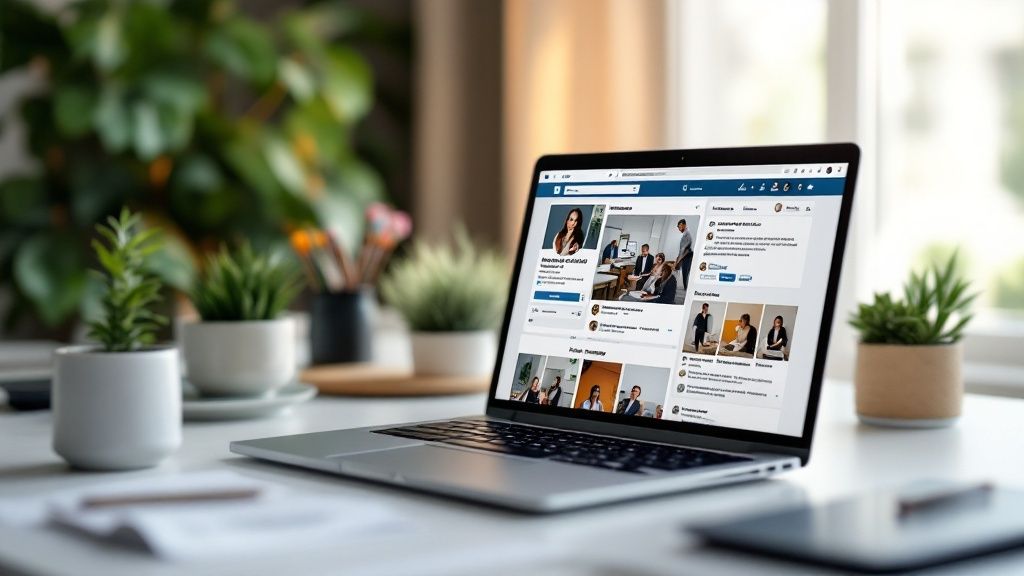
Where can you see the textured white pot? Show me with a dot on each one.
(454, 353)
(240, 358)
(116, 410)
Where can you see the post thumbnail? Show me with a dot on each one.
(572, 228)
(704, 327)
(640, 390)
(545, 380)
(645, 258)
(739, 329)
(599, 382)
(776, 332)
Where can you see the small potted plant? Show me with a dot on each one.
(452, 299)
(118, 405)
(243, 345)
(908, 371)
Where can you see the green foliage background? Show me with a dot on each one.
(211, 124)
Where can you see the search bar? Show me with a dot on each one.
(606, 190)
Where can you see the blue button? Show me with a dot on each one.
(726, 277)
(559, 296)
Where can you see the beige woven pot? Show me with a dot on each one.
(909, 386)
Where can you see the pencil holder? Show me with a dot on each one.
(341, 327)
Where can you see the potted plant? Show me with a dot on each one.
(243, 345)
(118, 405)
(908, 371)
(452, 298)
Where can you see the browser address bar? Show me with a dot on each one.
(603, 190)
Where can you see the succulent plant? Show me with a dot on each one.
(244, 286)
(127, 323)
(444, 288)
(935, 309)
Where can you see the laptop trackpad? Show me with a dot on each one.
(475, 471)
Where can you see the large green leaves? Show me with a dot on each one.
(50, 270)
(243, 48)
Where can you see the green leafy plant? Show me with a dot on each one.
(446, 288)
(245, 286)
(127, 322)
(213, 123)
(935, 309)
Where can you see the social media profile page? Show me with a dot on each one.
(732, 345)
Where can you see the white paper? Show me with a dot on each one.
(276, 520)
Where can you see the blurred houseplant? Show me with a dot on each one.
(212, 124)
(118, 405)
(908, 371)
(244, 345)
(452, 298)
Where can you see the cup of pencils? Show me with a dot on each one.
(344, 303)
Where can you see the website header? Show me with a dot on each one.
(697, 172)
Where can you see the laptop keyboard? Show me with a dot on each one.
(562, 446)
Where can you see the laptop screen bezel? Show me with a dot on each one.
(673, 431)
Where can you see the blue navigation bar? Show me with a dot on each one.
(752, 187)
(557, 296)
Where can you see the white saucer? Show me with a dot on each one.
(196, 407)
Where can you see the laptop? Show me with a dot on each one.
(696, 361)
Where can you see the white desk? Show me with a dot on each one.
(457, 538)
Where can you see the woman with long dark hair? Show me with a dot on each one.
(570, 237)
(594, 401)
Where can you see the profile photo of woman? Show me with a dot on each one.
(778, 206)
(777, 338)
(594, 401)
(746, 336)
(570, 237)
(532, 395)
(711, 236)
(703, 266)
(592, 326)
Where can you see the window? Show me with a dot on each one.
(938, 106)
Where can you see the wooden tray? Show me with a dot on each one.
(371, 380)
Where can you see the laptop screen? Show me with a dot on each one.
(692, 295)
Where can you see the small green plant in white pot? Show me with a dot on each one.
(244, 344)
(452, 298)
(908, 371)
(118, 405)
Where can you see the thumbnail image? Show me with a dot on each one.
(558, 382)
(545, 380)
(599, 382)
(739, 330)
(638, 385)
(645, 258)
(776, 332)
(572, 228)
(526, 387)
(704, 327)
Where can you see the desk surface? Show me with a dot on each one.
(458, 538)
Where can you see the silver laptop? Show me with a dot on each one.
(666, 330)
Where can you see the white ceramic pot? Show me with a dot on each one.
(240, 358)
(116, 410)
(454, 353)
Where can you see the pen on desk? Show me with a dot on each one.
(169, 498)
(908, 506)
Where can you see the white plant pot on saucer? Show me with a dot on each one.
(116, 410)
(247, 358)
(454, 353)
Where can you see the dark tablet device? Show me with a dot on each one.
(883, 532)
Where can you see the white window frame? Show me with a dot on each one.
(994, 363)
